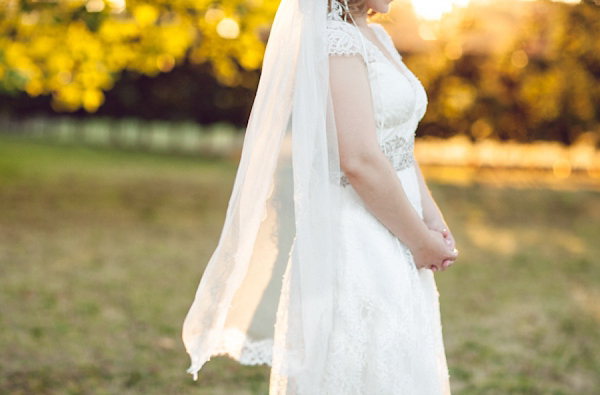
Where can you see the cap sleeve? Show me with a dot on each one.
(344, 39)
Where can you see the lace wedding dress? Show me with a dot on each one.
(386, 336)
(380, 313)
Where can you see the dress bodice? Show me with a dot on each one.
(399, 99)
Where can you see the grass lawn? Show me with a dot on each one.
(101, 253)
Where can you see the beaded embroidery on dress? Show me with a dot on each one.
(386, 336)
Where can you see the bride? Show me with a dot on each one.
(324, 269)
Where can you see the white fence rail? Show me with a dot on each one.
(130, 133)
(224, 140)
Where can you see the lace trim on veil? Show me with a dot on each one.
(242, 348)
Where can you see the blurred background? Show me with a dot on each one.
(121, 124)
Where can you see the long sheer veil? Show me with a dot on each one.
(278, 244)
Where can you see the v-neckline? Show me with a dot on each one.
(390, 59)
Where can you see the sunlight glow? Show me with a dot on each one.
(435, 9)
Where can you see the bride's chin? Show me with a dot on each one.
(384, 9)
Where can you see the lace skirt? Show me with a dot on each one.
(386, 336)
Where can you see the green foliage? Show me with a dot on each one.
(75, 50)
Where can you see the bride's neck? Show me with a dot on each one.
(360, 20)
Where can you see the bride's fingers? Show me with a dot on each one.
(453, 254)
(452, 241)
(446, 264)
(448, 237)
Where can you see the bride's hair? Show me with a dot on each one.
(355, 7)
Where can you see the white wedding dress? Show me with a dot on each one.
(382, 332)
(386, 337)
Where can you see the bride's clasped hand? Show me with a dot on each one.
(437, 248)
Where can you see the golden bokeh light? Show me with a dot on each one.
(228, 28)
(92, 99)
(94, 6)
(562, 168)
(481, 129)
(165, 62)
(519, 59)
(64, 77)
(453, 50)
(426, 33)
(116, 6)
(145, 14)
(214, 15)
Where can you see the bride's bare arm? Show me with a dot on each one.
(432, 215)
(367, 168)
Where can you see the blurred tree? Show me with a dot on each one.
(539, 79)
(560, 88)
(76, 49)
